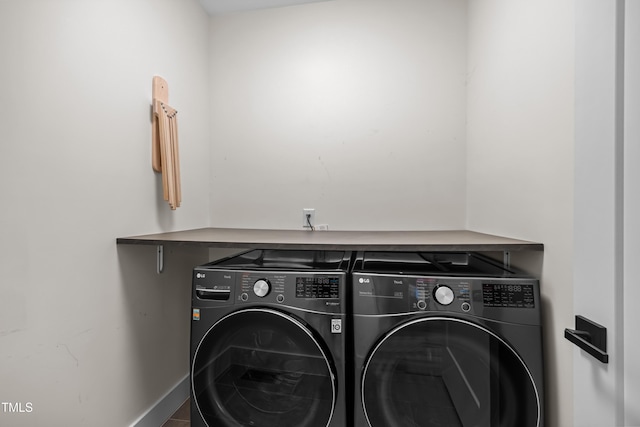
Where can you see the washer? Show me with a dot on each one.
(267, 341)
(445, 339)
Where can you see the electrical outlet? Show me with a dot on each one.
(308, 217)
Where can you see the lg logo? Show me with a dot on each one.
(364, 280)
(200, 276)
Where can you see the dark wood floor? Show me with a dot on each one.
(180, 418)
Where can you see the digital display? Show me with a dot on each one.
(512, 295)
(317, 287)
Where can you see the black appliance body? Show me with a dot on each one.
(267, 340)
(445, 339)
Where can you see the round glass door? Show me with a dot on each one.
(447, 372)
(260, 367)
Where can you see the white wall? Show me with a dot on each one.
(353, 107)
(520, 154)
(89, 334)
(412, 114)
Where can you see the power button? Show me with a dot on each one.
(466, 306)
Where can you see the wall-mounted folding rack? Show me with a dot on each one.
(165, 157)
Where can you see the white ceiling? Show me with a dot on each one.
(219, 7)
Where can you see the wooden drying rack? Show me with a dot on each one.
(165, 156)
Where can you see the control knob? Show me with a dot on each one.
(443, 294)
(261, 288)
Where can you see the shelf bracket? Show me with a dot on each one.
(159, 259)
(506, 259)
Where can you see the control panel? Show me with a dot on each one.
(316, 291)
(439, 293)
(508, 295)
(377, 294)
(213, 286)
(318, 287)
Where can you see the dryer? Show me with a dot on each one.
(445, 339)
(267, 342)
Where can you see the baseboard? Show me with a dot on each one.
(165, 406)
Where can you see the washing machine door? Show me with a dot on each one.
(261, 367)
(447, 372)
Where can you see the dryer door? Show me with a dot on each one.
(447, 372)
(260, 367)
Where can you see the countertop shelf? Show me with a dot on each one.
(442, 240)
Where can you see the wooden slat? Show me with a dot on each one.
(160, 92)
